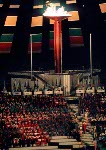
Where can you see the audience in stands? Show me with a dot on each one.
(34, 120)
(95, 106)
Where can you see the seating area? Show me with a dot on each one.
(29, 121)
(94, 107)
(51, 122)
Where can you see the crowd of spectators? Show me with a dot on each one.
(95, 108)
(33, 120)
(95, 105)
(30, 120)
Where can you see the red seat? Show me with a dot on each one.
(38, 143)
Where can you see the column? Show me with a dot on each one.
(57, 46)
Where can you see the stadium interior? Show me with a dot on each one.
(43, 109)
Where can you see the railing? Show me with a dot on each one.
(43, 79)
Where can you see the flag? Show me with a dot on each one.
(19, 85)
(37, 84)
(56, 82)
(60, 82)
(14, 85)
(76, 38)
(52, 83)
(25, 84)
(44, 87)
(6, 43)
(36, 43)
(28, 86)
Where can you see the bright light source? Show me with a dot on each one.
(51, 11)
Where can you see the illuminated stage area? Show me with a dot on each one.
(51, 83)
(57, 15)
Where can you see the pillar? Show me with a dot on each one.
(57, 46)
(66, 84)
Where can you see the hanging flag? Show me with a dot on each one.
(56, 82)
(37, 84)
(36, 41)
(52, 83)
(76, 38)
(44, 87)
(6, 43)
(25, 84)
(19, 86)
(28, 86)
(60, 82)
(14, 85)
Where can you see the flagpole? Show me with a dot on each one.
(31, 54)
(91, 56)
(61, 54)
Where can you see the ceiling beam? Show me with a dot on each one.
(3, 14)
(19, 50)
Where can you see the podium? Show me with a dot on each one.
(6, 93)
(16, 93)
(48, 92)
(100, 90)
(58, 92)
(78, 91)
(90, 90)
(27, 93)
(38, 93)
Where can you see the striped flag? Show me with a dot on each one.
(76, 38)
(6, 43)
(36, 43)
